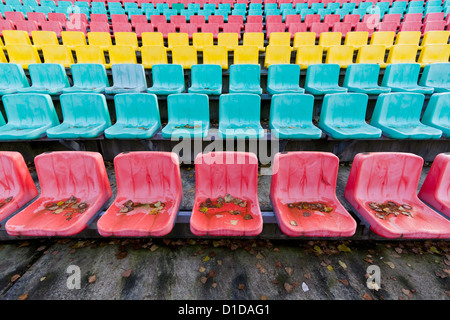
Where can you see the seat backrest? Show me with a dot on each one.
(371, 54)
(12, 76)
(41, 38)
(128, 75)
(434, 53)
(283, 75)
(102, 39)
(89, 75)
(216, 55)
(277, 54)
(186, 56)
(48, 75)
(177, 39)
(398, 108)
(73, 38)
(362, 75)
(151, 55)
(152, 39)
(200, 40)
(23, 54)
(356, 38)
(239, 109)
(402, 53)
(16, 37)
(55, 53)
(122, 54)
(401, 75)
(408, 37)
(137, 109)
(167, 75)
(54, 26)
(246, 54)
(437, 111)
(90, 54)
(288, 109)
(343, 109)
(435, 37)
(188, 108)
(436, 75)
(245, 75)
(85, 109)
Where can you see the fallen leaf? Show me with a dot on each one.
(259, 256)
(288, 287)
(390, 264)
(342, 264)
(211, 274)
(264, 297)
(92, 278)
(23, 296)
(367, 296)
(24, 244)
(42, 279)
(407, 292)
(329, 267)
(241, 286)
(307, 276)
(203, 279)
(317, 249)
(398, 250)
(344, 248)
(207, 258)
(153, 248)
(214, 284)
(447, 262)
(202, 269)
(233, 222)
(126, 273)
(15, 277)
(219, 262)
(278, 264)
(344, 282)
(289, 270)
(434, 250)
(440, 275)
(41, 248)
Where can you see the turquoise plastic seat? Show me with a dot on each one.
(343, 117)
(363, 78)
(167, 79)
(437, 76)
(403, 77)
(437, 113)
(29, 116)
(85, 116)
(127, 78)
(323, 79)
(245, 78)
(188, 116)
(12, 77)
(239, 116)
(137, 116)
(206, 78)
(88, 78)
(398, 115)
(291, 116)
(46, 78)
(284, 78)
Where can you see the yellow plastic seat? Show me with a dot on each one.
(42, 38)
(328, 39)
(434, 53)
(277, 55)
(230, 40)
(3, 57)
(304, 39)
(254, 39)
(385, 38)
(152, 39)
(435, 37)
(372, 54)
(408, 37)
(177, 39)
(126, 39)
(184, 55)
(308, 55)
(357, 39)
(280, 39)
(101, 39)
(11, 37)
(216, 55)
(341, 55)
(121, 54)
(54, 53)
(23, 54)
(402, 53)
(73, 39)
(90, 54)
(246, 55)
(201, 40)
(152, 55)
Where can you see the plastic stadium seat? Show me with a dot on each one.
(387, 27)
(118, 18)
(246, 54)
(245, 78)
(167, 79)
(434, 53)
(137, 116)
(376, 178)
(143, 28)
(186, 56)
(41, 38)
(363, 78)
(165, 29)
(177, 39)
(88, 188)
(353, 19)
(11, 37)
(435, 188)
(55, 53)
(398, 115)
(73, 39)
(332, 19)
(228, 40)
(322, 79)
(27, 26)
(255, 19)
(328, 39)
(341, 55)
(291, 117)
(239, 116)
(197, 20)
(12, 77)
(188, 116)
(88, 78)
(280, 39)
(122, 54)
(97, 17)
(435, 75)
(357, 39)
(275, 27)
(98, 27)
(121, 27)
(309, 55)
(299, 28)
(410, 26)
(142, 222)
(254, 39)
(23, 122)
(403, 77)
(231, 28)
(412, 17)
(77, 27)
(201, 40)
(135, 19)
(22, 54)
(216, 55)
(189, 28)
(85, 116)
(20, 188)
(363, 26)
(206, 79)
(57, 16)
(433, 26)
(152, 55)
(277, 55)
(309, 19)
(126, 39)
(408, 37)
(318, 28)
(213, 171)
(236, 20)
(46, 78)
(90, 54)
(215, 20)
(101, 39)
(402, 53)
(433, 16)
(343, 117)
(283, 78)
(435, 37)
(396, 18)
(54, 26)
(152, 39)
(385, 38)
(251, 27)
(127, 78)
(304, 39)
(437, 113)
(14, 16)
(300, 177)
(372, 54)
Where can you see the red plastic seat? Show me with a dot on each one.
(342, 27)
(410, 26)
(54, 26)
(393, 17)
(189, 28)
(253, 27)
(139, 28)
(447, 22)
(74, 182)
(390, 178)
(81, 27)
(407, 17)
(14, 16)
(232, 28)
(354, 19)
(99, 17)
(363, 26)
(297, 27)
(433, 26)
(318, 28)
(119, 18)
(232, 176)
(434, 16)
(312, 18)
(435, 190)
(216, 20)
(387, 26)
(236, 20)
(36, 16)
(6, 25)
(308, 177)
(157, 19)
(255, 19)
(77, 18)
(210, 28)
(292, 18)
(122, 27)
(99, 27)
(27, 26)
(273, 19)
(165, 29)
(274, 27)
(57, 16)
(18, 187)
(176, 20)
(134, 172)
(197, 20)
(331, 19)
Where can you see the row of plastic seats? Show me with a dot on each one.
(302, 193)
(342, 116)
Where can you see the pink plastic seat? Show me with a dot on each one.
(99, 17)
(342, 27)
(232, 28)
(99, 27)
(18, 187)
(363, 26)
(434, 16)
(57, 16)
(122, 27)
(14, 16)
(216, 20)
(433, 26)
(387, 26)
(74, 187)
(27, 26)
(255, 19)
(135, 183)
(274, 19)
(6, 25)
(138, 19)
(332, 19)
(236, 20)
(232, 176)
(407, 17)
(197, 20)
(354, 19)
(165, 29)
(312, 18)
(410, 26)
(274, 27)
(308, 177)
(318, 28)
(81, 27)
(139, 28)
(435, 190)
(210, 28)
(77, 18)
(54, 26)
(292, 18)
(393, 17)
(297, 27)
(253, 27)
(189, 28)
(38, 17)
(391, 178)
(119, 18)
(176, 20)
(157, 19)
